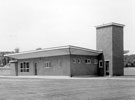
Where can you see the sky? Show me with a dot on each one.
(31, 24)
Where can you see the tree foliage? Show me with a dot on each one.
(129, 60)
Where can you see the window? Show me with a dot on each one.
(74, 60)
(21, 70)
(95, 61)
(88, 61)
(21, 65)
(100, 64)
(24, 67)
(79, 61)
(47, 64)
(27, 65)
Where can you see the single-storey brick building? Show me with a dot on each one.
(72, 61)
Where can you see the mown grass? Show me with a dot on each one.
(66, 89)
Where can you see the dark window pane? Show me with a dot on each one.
(27, 70)
(21, 70)
(21, 65)
(101, 64)
(27, 65)
(85, 61)
(79, 60)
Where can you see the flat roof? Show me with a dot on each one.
(54, 51)
(110, 24)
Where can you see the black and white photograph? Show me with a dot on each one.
(67, 50)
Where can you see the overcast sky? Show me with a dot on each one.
(30, 24)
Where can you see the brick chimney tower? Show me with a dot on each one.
(110, 41)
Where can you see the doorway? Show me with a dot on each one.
(35, 68)
(107, 67)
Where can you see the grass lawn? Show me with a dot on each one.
(66, 89)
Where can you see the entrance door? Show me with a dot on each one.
(107, 67)
(16, 68)
(35, 67)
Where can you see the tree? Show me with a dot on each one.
(17, 50)
(129, 60)
(39, 49)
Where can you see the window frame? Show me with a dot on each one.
(25, 66)
(100, 61)
(74, 60)
(79, 61)
(88, 61)
(47, 64)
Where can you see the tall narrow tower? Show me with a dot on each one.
(110, 41)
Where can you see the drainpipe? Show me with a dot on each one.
(70, 61)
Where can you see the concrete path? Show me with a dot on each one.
(67, 77)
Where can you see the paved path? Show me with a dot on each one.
(78, 77)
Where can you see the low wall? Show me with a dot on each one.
(129, 71)
(8, 70)
(5, 71)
